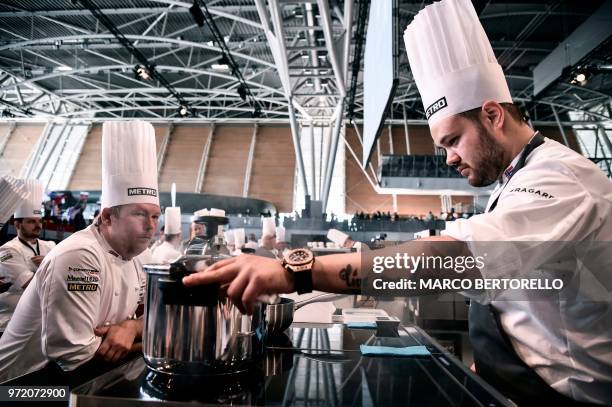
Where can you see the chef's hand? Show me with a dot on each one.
(244, 278)
(118, 340)
(37, 260)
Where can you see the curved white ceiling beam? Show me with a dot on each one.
(153, 97)
(80, 38)
(167, 107)
(162, 68)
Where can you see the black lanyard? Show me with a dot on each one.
(536, 141)
(36, 252)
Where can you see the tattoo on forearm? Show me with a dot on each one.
(351, 277)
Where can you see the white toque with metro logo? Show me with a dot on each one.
(31, 206)
(452, 61)
(129, 164)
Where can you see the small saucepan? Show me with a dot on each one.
(280, 315)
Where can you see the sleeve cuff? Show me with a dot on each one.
(84, 355)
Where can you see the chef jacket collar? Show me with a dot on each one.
(105, 246)
(507, 173)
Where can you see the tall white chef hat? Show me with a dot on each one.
(339, 238)
(12, 193)
(31, 206)
(452, 61)
(129, 164)
(280, 233)
(172, 220)
(268, 227)
(239, 238)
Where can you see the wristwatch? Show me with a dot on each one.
(299, 262)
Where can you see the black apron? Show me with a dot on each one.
(495, 359)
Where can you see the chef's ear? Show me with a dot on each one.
(105, 216)
(494, 113)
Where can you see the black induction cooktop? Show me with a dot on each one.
(311, 365)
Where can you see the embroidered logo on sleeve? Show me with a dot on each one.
(82, 287)
(5, 257)
(533, 191)
(82, 279)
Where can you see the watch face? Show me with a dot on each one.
(299, 256)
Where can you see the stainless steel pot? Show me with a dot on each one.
(194, 331)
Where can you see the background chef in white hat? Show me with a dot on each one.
(169, 250)
(12, 193)
(196, 229)
(84, 298)
(554, 349)
(268, 238)
(21, 256)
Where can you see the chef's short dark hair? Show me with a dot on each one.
(513, 110)
(114, 211)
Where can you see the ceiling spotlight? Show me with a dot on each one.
(577, 75)
(183, 110)
(142, 72)
(223, 64)
(581, 78)
(242, 92)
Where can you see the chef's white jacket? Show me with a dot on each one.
(165, 253)
(17, 268)
(559, 197)
(81, 284)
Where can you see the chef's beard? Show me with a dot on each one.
(31, 235)
(488, 161)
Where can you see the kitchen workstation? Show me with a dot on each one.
(318, 348)
(200, 348)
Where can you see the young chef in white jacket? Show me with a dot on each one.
(554, 349)
(21, 256)
(82, 301)
(169, 250)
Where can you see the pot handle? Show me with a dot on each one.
(173, 292)
(319, 298)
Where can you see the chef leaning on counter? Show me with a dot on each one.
(83, 299)
(553, 350)
(21, 256)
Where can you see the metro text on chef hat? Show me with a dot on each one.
(487, 271)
